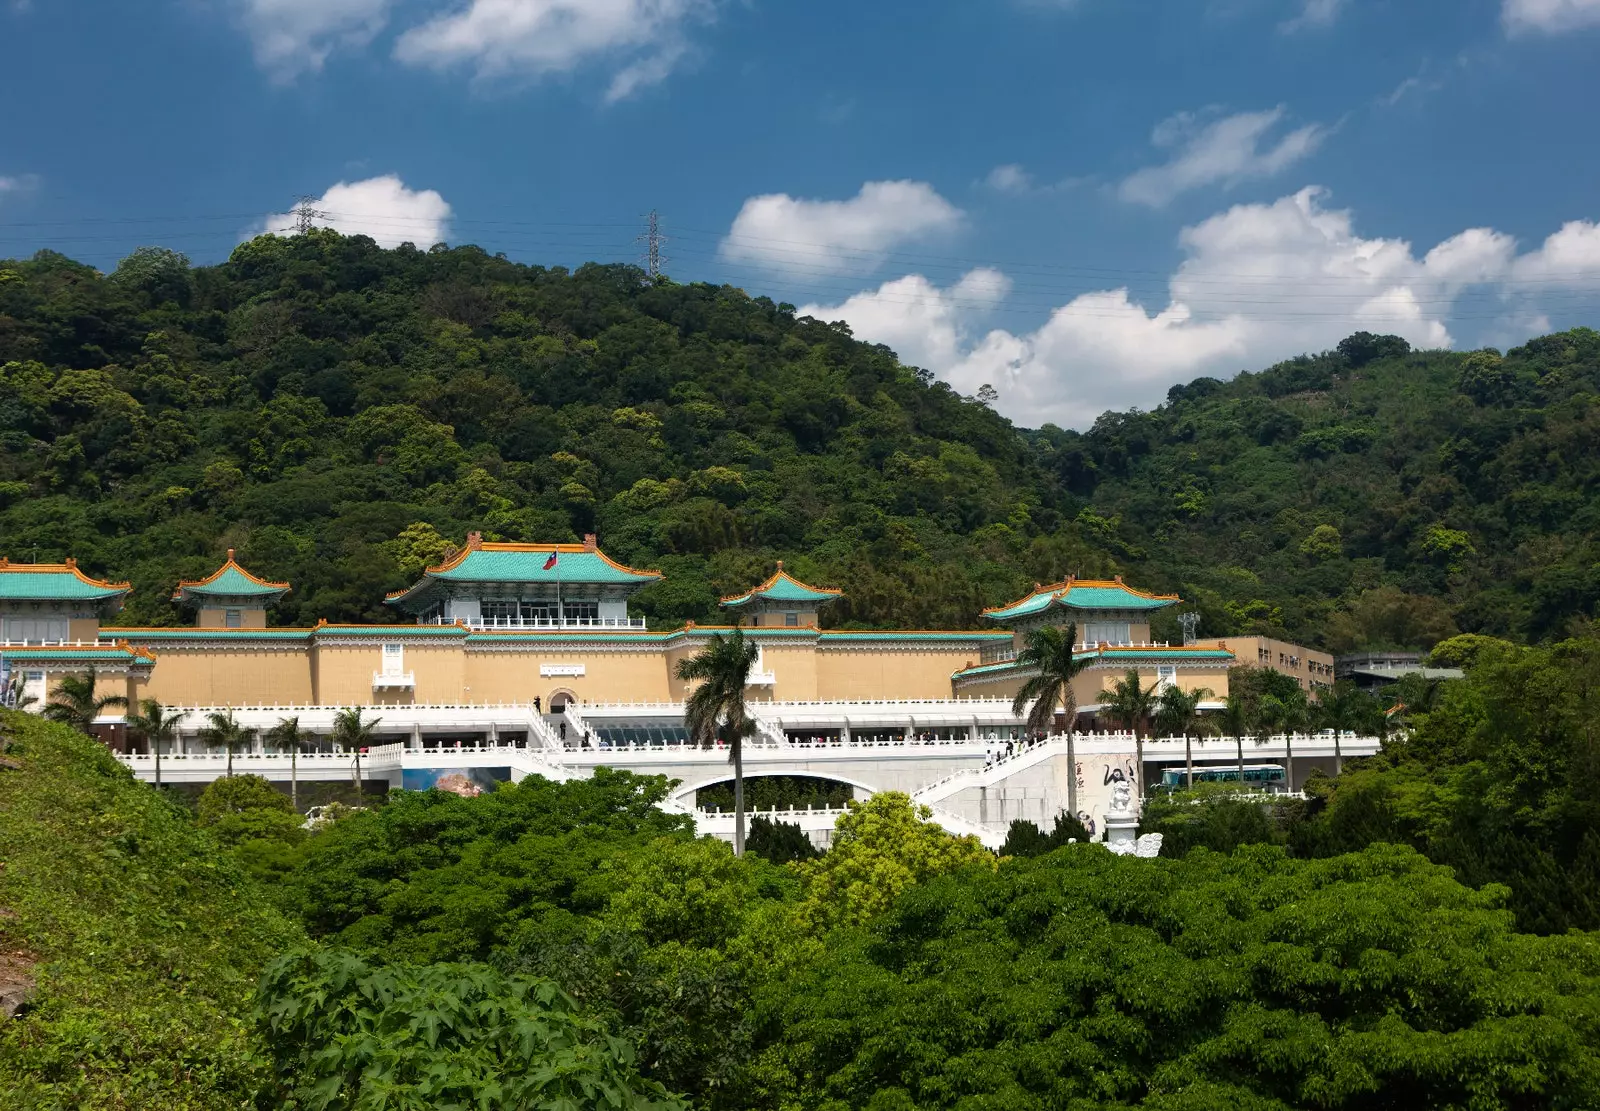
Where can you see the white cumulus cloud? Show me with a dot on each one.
(1010, 178)
(380, 207)
(535, 38)
(1549, 15)
(1228, 151)
(1314, 15)
(779, 232)
(291, 37)
(1258, 283)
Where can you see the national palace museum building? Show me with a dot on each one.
(511, 623)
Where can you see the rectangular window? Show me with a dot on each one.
(791, 619)
(1107, 632)
(232, 619)
(1167, 675)
(394, 659)
(35, 629)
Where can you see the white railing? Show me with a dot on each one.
(539, 730)
(391, 679)
(993, 771)
(580, 728)
(514, 624)
(761, 679)
(26, 643)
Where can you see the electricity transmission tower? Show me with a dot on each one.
(652, 259)
(1190, 624)
(306, 215)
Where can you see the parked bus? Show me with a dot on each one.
(1264, 776)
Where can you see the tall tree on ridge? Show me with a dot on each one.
(1132, 703)
(1179, 711)
(715, 710)
(1050, 649)
(352, 733)
(288, 733)
(157, 726)
(224, 729)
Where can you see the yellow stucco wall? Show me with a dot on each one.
(218, 676)
(216, 617)
(868, 671)
(1089, 686)
(1281, 655)
(795, 668)
(512, 675)
(343, 673)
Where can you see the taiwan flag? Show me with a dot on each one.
(549, 564)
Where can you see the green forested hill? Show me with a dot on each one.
(340, 413)
(1368, 496)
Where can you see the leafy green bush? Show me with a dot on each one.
(149, 939)
(344, 1033)
(1085, 980)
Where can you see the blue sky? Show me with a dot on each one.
(1079, 202)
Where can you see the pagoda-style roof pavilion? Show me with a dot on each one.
(785, 594)
(782, 587)
(230, 584)
(487, 583)
(1080, 595)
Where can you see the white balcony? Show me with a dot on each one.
(761, 679)
(509, 624)
(395, 680)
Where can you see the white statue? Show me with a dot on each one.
(1121, 791)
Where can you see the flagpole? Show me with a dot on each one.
(561, 614)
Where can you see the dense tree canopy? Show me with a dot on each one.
(342, 414)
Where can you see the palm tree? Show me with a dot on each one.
(13, 697)
(353, 733)
(288, 734)
(1289, 712)
(157, 726)
(715, 709)
(1346, 708)
(1234, 721)
(1131, 702)
(74, 702)
(223, 729)
(1050, 650)
(1179, 712)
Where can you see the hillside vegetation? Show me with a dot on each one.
(144, 939)
(341, 414)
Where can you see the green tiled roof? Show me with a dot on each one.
(524, 563)
(444, 631)
(1158, 655)
(139, 636)
(230, 581)
(87, 654)
(1081, 596)
(782, 587)
(869, 636)
(51, 582)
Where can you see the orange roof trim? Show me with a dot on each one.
(220, 571)
(68, 567)
(532, 549)
(1114, 583)
(772, 581)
